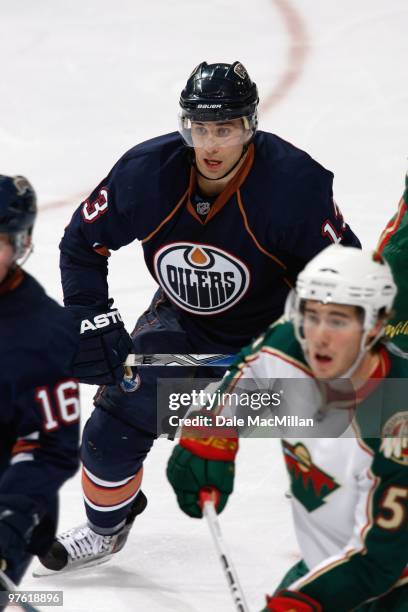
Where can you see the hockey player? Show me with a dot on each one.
(39, 405)
(227, 217)
(350, 494)
(393, 247)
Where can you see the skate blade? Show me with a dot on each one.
(41, 571)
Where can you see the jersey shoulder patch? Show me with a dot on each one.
(394, 438)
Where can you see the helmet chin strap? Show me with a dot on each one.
(210, 178)
(21, 260)
(364, 348)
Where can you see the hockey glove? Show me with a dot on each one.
(202, 462)
(16, 528)
(104, 345)
(291, 601)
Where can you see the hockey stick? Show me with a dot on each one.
(208, 506)
(130, 384)
(167, 359)
(8, 591)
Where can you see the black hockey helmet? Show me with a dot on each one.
(218, 92)
(18, 209)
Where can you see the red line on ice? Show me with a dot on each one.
(297, 54)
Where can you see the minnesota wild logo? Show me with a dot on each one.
(394, 443)
(309, 484)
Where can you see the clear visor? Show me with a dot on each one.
(216, 134)
(335, 321)
(19, 243)
(332, 317)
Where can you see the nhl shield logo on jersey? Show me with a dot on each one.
(203, 208)
(201, 278)
(309, 484)
(394, 443)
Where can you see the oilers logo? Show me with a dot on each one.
(201, 278)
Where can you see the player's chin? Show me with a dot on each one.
(215, 171)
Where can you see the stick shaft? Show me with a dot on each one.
(169, 359)
(8, 587)
(224, 556)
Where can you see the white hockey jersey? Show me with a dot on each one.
(349, 493)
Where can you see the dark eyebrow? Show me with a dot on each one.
(336, 313)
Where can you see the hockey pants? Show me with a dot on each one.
(123, 427)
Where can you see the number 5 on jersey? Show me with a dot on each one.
(60, 405)
(394, 504)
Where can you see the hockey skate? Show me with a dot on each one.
(81, 547)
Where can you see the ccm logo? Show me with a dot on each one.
(102, 320)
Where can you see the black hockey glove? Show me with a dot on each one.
(104, 345)
(16, 528)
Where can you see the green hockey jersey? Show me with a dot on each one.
(393, 246)
(349, 494)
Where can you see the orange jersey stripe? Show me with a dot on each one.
(169, 216)
(110, 496)
(102, 250)
(231, 187)
(23, 446)
(12, 282)
(248, 229)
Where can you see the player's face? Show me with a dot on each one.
(333, 335)
(6, 255)
(218, 145)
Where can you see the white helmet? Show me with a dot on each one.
(344, 275)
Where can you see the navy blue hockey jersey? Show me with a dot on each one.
(39, 402)
(228, 272)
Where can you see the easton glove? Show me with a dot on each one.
(202, 462)
(291, 601)
(104, 345)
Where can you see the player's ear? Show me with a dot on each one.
(375, 330)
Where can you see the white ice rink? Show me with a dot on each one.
(81, 81)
